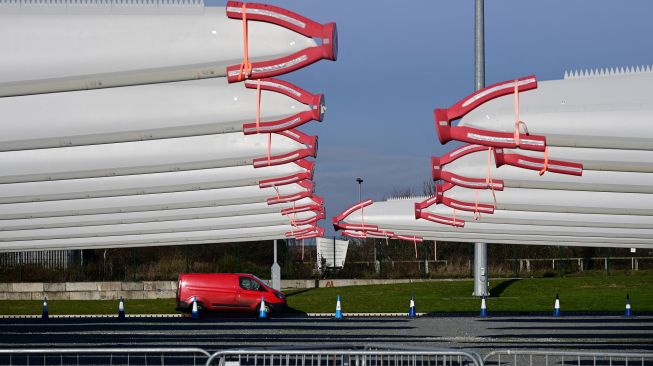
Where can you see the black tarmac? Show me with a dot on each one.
(596, 333)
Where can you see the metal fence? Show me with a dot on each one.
(571, 358)
(444, 357)
(369, 356)
(104, 356)
(45, 259)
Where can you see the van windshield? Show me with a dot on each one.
(262, 288)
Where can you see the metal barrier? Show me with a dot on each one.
(104, 356)
(546, 358)
(326, 356)
(335, 357)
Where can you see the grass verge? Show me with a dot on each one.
(577, 294)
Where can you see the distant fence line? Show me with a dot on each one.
(46, 258)
(525, 264)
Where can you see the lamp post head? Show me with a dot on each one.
(359, 180)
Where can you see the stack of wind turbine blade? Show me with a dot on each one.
(514, 170)
(568, 160)
(572, 167)
(156, 111)
(69, 45)
(599, 112)
(166, 182)
(615, 160)
(203, 224)
(154, 156)
(158, 201)
(155, 239)
(396, 216)
(135, 124)
(140, 214)
(551, 200)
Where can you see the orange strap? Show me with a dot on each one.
(269, 148)
(363, 216)
(292, 219)
(245, 67)
(415, 244)
(488, 179)
(518, 123)
(258, 106)
(454, 217)
(477, 215)
(545, 167)
(302, 249)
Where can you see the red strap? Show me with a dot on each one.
(245, 67)
(545, 166)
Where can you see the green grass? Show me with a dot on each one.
(87, 307)
(577, 294)
(598, 293)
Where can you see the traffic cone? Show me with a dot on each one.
(556, 306)
(411, 308)
(195, 314)
(338, 308)
(44, 314)
(628, 312)
(121, 309)
(262, 314)
(483, 313)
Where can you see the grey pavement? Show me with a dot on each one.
(596, 333)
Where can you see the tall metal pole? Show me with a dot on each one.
(480, 249)
(334, 257)
(275, 270)
(479, 46)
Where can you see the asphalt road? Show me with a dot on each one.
(605, 333)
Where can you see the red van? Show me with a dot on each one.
(226, 292)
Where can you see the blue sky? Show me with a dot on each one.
(398, 60)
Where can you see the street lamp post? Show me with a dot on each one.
(360, 183)
(377, 266)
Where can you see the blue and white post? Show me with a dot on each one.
(411, 308)
(121, 309)
(483, 312)
(338, 308)
(628, 312)
(44, 313)
(195, 314)
(262, 313)
(556, 306)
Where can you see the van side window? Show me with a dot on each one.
(245, 283)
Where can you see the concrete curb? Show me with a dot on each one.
(360, 315)
(109, 316)
(77, 316)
